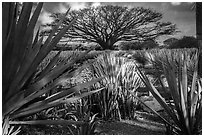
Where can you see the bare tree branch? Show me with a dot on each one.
(109, 24)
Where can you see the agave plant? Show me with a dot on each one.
(158, 57)
(119, 75)
(81, 111)
(22, 52)
(186, 112)
(8, 129)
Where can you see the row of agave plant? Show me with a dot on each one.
(22, 52)
(178, 69)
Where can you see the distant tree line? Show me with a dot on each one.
(135, 45)
(171, 43)
(185, 42)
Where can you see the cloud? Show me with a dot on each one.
(45, 18)
(77, 5)
(175, 3)
(95, 4)
(62, 8)
(82, 5)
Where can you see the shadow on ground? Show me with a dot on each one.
(129, 127)
(144, 124)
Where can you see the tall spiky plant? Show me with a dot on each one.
(186, 94)
(22, 53)
(119, 75)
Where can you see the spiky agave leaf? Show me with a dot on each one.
(119, 74)
(56, 99)
(186, 106)
(20, 65)
(8, 129)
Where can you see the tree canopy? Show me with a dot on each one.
(109, 24)
(170, 41)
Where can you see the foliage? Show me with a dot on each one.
(126, 101)
(185, 42)
(22, 54)
(8, 129)
(158, 57)
(186, 111)
(149, 44)
(109, 24)
(79, 45)
(81, 112)
(130, 45)
(119, 75)
(66, 56)
(135, 45)
(170, 41)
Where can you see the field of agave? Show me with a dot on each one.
(79, 88)
(125, 73)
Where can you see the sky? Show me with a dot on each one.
(179, 13)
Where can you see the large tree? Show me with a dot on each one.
(109, 24)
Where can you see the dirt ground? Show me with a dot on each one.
(144, 124)
(129, 127)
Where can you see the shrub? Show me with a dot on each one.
(185, 42)
(149, 44)
(130, 46)
(135, 45)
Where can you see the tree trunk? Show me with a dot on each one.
(199, 20)
(108, 45)
(199, 33)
